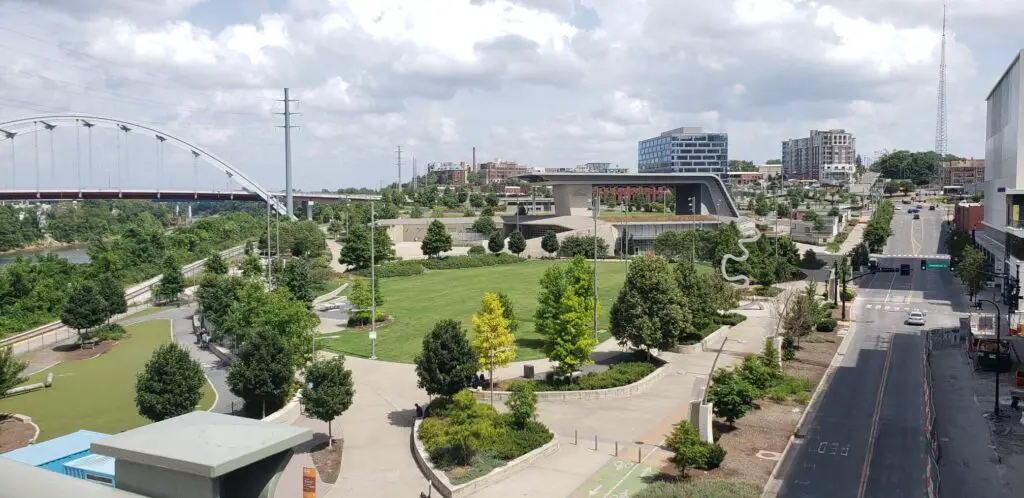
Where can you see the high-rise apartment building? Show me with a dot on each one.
(802, 158)
(685, 150)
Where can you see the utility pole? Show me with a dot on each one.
(597, 207)
(414, 175)
(288, 151)
(373, 285)
(398, 164)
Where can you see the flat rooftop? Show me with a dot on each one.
(618, 178)
(54, 449)
(202, 443)
(21, 480)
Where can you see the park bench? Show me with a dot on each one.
(89, 343)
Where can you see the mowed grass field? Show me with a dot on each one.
(419, 301)
(96, 394)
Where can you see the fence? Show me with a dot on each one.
(138, 297)
(943, 338)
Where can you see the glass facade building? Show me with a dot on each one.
(685, 150)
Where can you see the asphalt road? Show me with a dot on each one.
(865, 435)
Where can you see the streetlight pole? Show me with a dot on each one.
(999, 349)
(596, 208)
(373, 284)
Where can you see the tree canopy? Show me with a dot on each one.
(328, 391)
(170, 384)
(448, 362)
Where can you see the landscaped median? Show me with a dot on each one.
(463, 446)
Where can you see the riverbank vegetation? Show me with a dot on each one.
(32, 292)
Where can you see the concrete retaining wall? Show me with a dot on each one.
(706, 343)
(635, 388)
(448, 490)
(288, 413)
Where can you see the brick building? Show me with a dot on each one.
(498, 171)
(961, 173)
(968, 216)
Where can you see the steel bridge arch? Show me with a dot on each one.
(10, 129)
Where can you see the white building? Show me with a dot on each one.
(836, 174)
(1003, 237)
(802, 158)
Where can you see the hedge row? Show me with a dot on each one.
(416, 267)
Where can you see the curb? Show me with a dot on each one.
(771, 488)
(638, 387)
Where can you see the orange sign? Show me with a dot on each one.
(308, 482)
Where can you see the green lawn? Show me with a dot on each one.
(148, 311)
(417, 302)
(96, 394)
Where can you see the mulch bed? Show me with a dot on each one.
(73, 352)
(328, 460)
(363, 328)
(14, 433)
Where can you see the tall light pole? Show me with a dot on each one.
(373, 284)
(597, 207)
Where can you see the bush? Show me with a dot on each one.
(475, 261)
(690, 451)
(788, 347)
(848, 295)
(620, 374)
(731, 319)
(755, 372)
(802, 397)
(827, 325)
(362, 318)
(394, 269)
(477, 250)
(788, 386)
(582, 245)
(731, 395)
(107, 332)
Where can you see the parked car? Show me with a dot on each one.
(931, 208)
(916, 317)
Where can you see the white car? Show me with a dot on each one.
(915, 317)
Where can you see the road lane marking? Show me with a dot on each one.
(862, 488)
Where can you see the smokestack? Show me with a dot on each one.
(474, 158)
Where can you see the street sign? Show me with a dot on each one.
(373, 334)
(938, 265)
(308, 482)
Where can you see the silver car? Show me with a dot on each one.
(915, 317)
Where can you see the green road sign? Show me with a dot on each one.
(938, 265)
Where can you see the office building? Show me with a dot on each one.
(802, 158)
(685, 150)
(961, 173)
(604, 168)
(1003, 236)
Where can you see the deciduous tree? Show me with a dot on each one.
(437, 240)
(447, 363)
(298, 279)
(494, 342)
(356, 251)
(84, 309)
(328, 391)
(170, 384)
(971, 269)
(649, 312)
(251, 267)
(10, 370)
(731, 396)
(215, 264)
(173, 282)
(112, 293)
(262, 374)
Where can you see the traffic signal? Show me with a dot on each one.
(924, 264)
(952, 264)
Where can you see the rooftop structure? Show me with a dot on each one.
(20, 480)
(54, 453)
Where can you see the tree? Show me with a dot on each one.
(797, 321)
(686, 446)
(336, 227)
(582, 245)
(112, 293)
(550, 242)
(447, 363)
(703, 310)
(970, 270)
(363, 300)
(173, 282)
(731, 396)
(491, 199)
(328, 391)
(85, 308)
(649, 312)
(262, 374)
(476, 200)
(484, 225)
(495, 243)
(516, 243)
(522, 404)
(782, 210)
(956, 242)
(251, 267)
(356, 251)
(565, 307)
(298, 279)
(744, 166)
(216, 295)
(170, 384)
(215, 264)
(416, 211)
(508, 311)
(10, 370)
(437, 240)
(722, 296)
(494, 342)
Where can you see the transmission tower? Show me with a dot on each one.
(398, 164)
(940, 112)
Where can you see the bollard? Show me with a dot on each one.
(595, 442)
(576, 437)
(616, 448)
(638, 458)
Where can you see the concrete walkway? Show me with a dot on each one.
(377, 459)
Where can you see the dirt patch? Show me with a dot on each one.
(328, 460)
(72, 352)
(14, 433)
(757, 441)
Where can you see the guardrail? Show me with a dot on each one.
(57, 331)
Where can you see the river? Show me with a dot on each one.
(74, 254)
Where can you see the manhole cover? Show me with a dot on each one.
(769, 455)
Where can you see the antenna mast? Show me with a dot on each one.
(940, 113)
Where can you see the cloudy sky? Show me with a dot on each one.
(543, 82)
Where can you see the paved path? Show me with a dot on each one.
(215, 369)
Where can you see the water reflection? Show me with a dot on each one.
(74, 254)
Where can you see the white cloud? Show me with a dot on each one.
(545, 83)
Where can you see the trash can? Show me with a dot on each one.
(527, 371)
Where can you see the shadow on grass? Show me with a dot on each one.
(402, 418)
(67, 348)
(534, 343)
